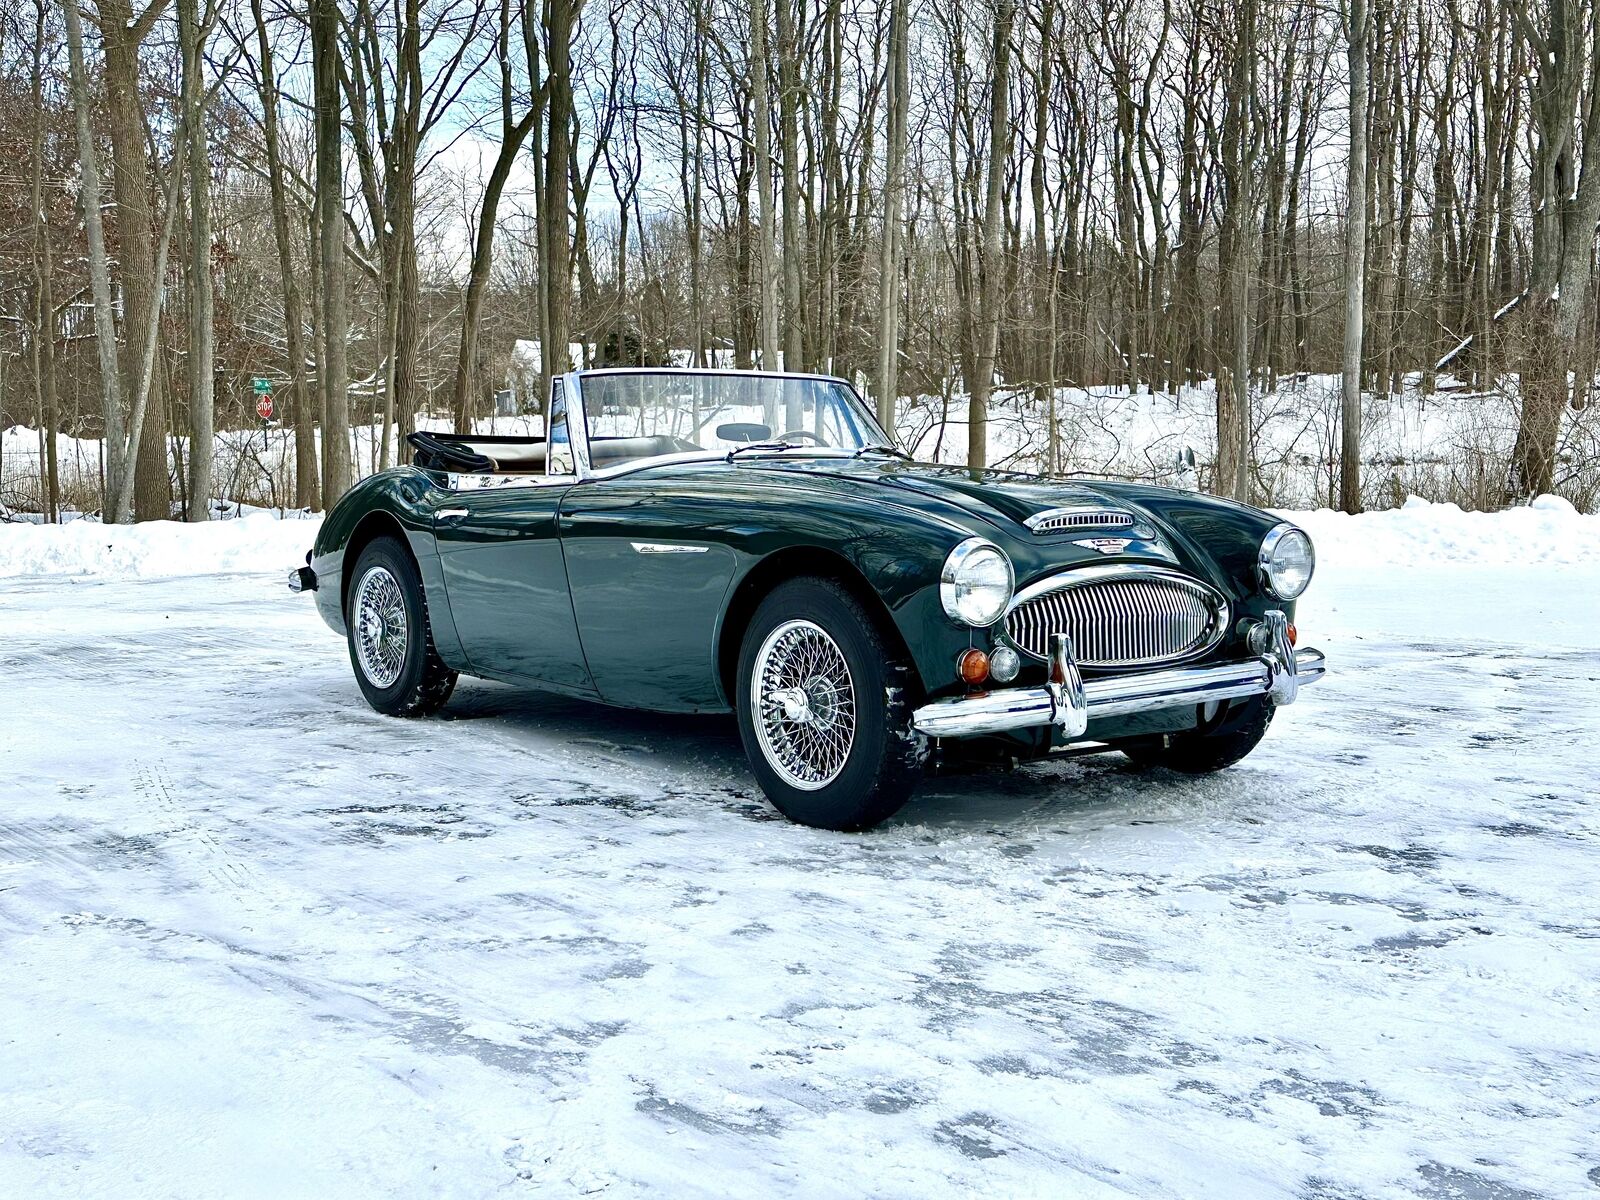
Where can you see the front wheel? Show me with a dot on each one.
(824, 709)
(1218, 742)
(391, 642)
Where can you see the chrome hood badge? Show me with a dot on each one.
(1106, 545)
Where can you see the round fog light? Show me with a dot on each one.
(1004, 664)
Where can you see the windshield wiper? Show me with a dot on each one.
(762, 446)
(891, 450)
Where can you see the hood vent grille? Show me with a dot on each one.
(1057, 520)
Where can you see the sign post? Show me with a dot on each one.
(262, 388)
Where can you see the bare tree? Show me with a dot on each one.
(1564, 37)
(555, 265)
(99, 267)
(513, 133)
(43, 339)
(893, 199)
(123, 34)
(991, 267)
(767, 245)
(192, 33)
(333, 372)
(301, 404)
(1235, 252)
(1355, 260)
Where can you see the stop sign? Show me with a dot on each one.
(264, 407)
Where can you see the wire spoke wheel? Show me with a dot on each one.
(380, 627)
(803, 704)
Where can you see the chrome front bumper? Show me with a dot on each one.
(1070, 703)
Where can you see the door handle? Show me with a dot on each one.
(450, 514)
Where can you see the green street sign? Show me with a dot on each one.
(263, 387)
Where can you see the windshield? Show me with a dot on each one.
(647, 414)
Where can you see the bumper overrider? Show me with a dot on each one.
(1069, 702)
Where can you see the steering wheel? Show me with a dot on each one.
(801, 433)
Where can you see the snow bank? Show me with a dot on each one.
(259, 542)
(1549, 531)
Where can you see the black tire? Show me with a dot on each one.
(884, 760)
(423, 683)
(1214, 746)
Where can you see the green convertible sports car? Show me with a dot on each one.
(699, 541)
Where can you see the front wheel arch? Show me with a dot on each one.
(776, 569)
(369, 529)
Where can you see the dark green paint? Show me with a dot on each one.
(507, 586)
(543, 584)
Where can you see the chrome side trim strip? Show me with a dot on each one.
(668, 548)
(477, 483)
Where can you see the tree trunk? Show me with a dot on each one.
(899, 99)
(767, 247)
(793, 228)
(43, 334)
(191, 36)
(332, 370)
(1234, 254)
(302, 408)
(991, 266)
(512, 135)
(105, 327)
(1566, 206)
(123, 36)
(555, 268)
(1355, 258)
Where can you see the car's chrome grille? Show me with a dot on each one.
(1130, 620)
(1054, 520)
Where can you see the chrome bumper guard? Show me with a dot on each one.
(1070, 703)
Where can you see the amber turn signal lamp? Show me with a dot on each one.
(973, 666)
(1292, 635)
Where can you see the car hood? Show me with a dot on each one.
(1003, 499)
(1206, 535)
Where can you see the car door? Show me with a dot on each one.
(650, 570)
(504, 573)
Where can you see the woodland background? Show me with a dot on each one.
(972, 209)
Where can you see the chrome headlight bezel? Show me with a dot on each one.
(1272, 567)
(970, 556)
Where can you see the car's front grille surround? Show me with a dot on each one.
(1119, 616)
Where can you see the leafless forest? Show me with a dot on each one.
(369, 202)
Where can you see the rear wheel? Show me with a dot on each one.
(1215, 744)
(391, 644)
(824, 709)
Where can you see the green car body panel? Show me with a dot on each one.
(548, 585)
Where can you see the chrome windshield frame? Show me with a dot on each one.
(578, 427)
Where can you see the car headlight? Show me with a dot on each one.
(975, 585)
(1287, 561)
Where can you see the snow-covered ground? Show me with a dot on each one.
(259, 941)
